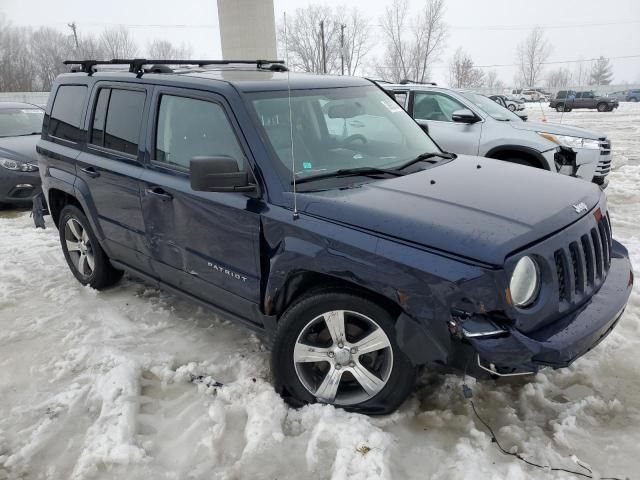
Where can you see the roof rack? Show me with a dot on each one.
(406, 81)
(136, 65)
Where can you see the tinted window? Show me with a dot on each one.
(124, 117)
(66, 113)
(99, 117)
(433, 106)
(188, 127)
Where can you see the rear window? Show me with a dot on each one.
(66, 114)
(117, 119)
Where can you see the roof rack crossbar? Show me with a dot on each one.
(136, 64)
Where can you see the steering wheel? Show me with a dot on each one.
(353, 138)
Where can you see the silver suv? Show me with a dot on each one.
(464, 122)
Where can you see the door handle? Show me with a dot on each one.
(160, 193)
(91, 172)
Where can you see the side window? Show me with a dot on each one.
(100, 117)
(66, 113)
(434, 106)
(189, 127)
(124, 117)
(401, 98)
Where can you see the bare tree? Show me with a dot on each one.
(91, 47)
(48, 49)
(165, 50)
(462, 73)
(490, 79)
(357, 43)
(118, 43)
(531, 55)
(580, 73)
(430, 33)
(412, 47)
(559, 78)
(16, 65)
(601, 73)
(303, 39)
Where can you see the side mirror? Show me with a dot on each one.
(218, 174)
(464, 115)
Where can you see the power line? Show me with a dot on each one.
(581, 60)
(528, 27)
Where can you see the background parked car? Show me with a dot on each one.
(620, 96)
(467, 123)
(567, 100)
(633, 95)
(515, 107)
(20, 129)
(529, 95)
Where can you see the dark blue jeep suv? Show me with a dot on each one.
(314, 209)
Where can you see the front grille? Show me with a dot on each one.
(582, 266)
(604, 164)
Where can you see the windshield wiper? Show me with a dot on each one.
(426, 156)
(351, 172)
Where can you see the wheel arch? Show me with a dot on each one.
(57, 200)
(504, 152)
(301, 283)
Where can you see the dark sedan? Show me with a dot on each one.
(20, 128)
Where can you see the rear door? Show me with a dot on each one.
(204, 243)
(110, 167)
(435, 110)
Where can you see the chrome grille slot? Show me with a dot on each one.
(582, 266)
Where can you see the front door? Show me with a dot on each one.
(204, 243)
(435, 109)
(110, 166)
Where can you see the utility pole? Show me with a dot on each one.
(342, 26)
(73, 28)
(324, 54)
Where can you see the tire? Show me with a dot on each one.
(602, 107)
(86, 259)
(511, 107)
(385, 370)
(633, 99)
(560, 107)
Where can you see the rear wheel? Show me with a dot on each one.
(511, 107)
(339, 348)
(86, 258)
(602, 107)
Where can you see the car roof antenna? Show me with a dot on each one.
(293, 155)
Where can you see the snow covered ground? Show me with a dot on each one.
(117, 384)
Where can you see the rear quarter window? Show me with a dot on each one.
(66, 113)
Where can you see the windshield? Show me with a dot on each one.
(337, 129)
(20, 121)
(490, 107)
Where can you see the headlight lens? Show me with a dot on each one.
(525, 282)
(573, 142)
(17, 165)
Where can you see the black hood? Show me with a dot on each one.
(20, 148)
(482, 213)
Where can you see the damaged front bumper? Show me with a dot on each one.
(510, 351)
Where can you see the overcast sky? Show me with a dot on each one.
(488, 30)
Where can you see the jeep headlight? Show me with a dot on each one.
(572, 142)
(17, 165)
(524, 285)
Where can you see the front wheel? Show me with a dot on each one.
(560, 108)
(339, 348)
(602, 107)
(85, 257)
(511, 107)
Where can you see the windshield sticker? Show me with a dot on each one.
(392, 106)
(307, 165)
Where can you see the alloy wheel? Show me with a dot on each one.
(343, 357)
(79, 247)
